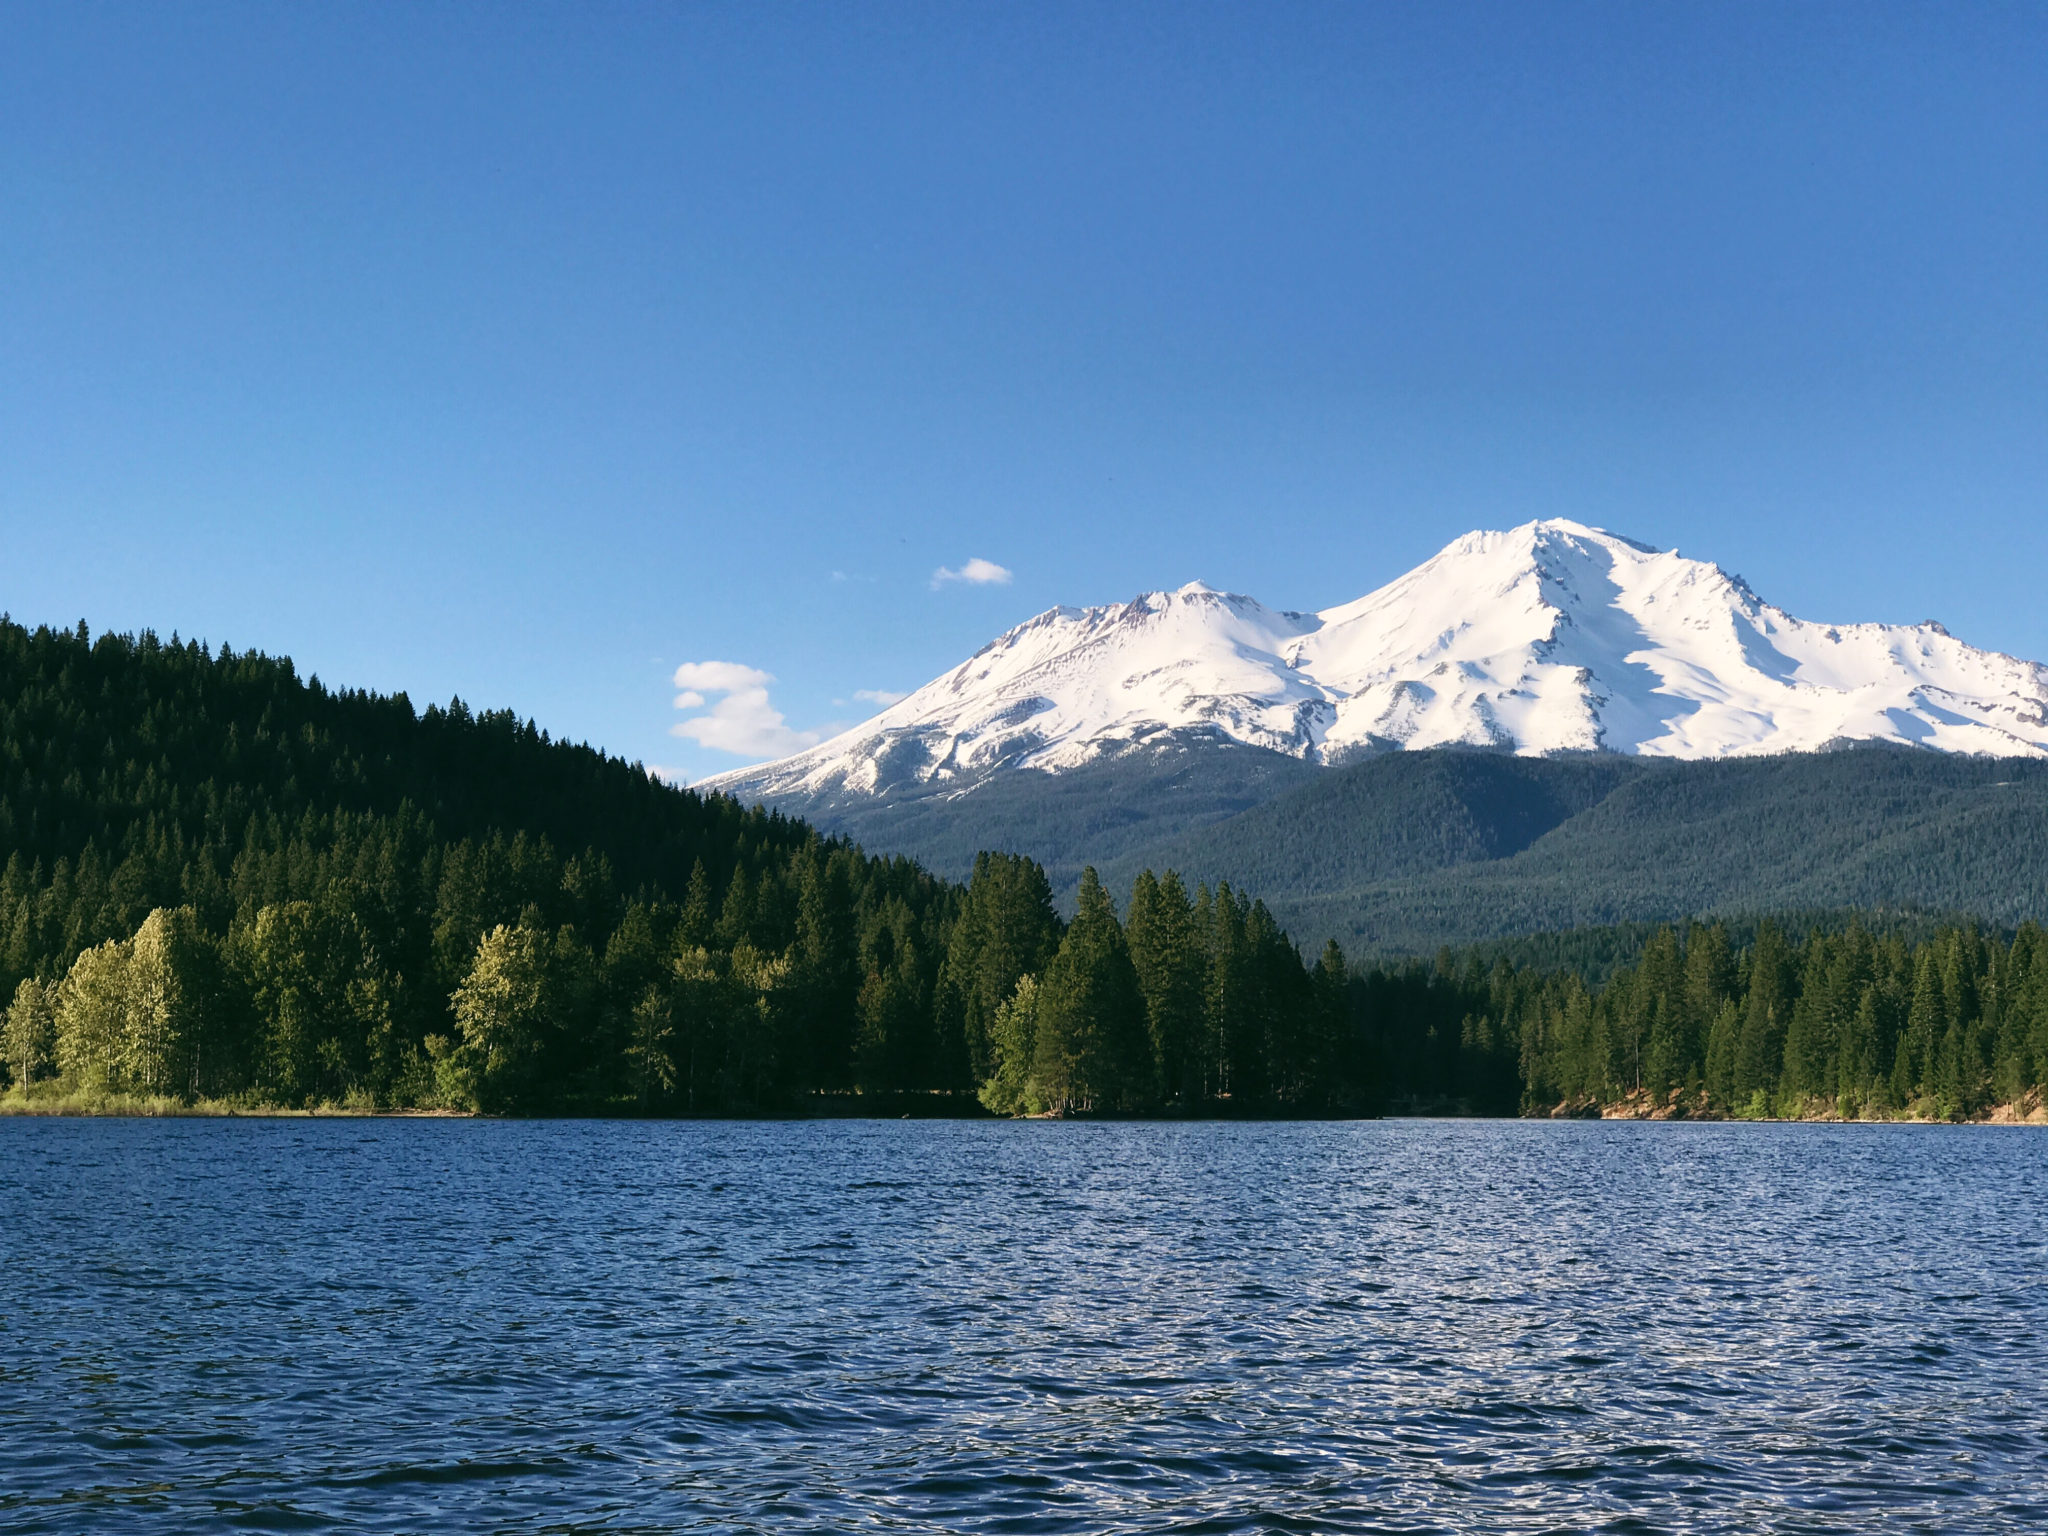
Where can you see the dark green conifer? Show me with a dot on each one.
(1167, 954)
(1091, 1051)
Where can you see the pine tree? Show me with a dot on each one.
(697, 918)
(1330, 983)
(1660, 1020)
(1723, 1042)
(1091, 1052)
(1760, 1050)
(1232, 1003)
(1166, 953)
(1006, 929)
(650, 1049)
(1710, 979)
(736, 915)
(892, 1051)
(1913, 1071)
(1857, 1082)
(1010, 1088)
(1810, 1043)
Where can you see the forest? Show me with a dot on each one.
(1400, 852)
(226, 886)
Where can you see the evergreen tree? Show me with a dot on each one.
(1091, 1051)
(1914, 1069)
(1858, 1075)
(1723, 1042)
(827, 977)
(1010, 1088)
(1337, 1071)
(1810, 1042)
(736, 916)
(1235, 1016)
(1006, 929)
(1167, 954)
(1760, 1050)
(1660, 1018)
(697, 919)
(893, 1049)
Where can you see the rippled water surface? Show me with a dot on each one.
(1398, 1326)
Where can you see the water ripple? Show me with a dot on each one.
(1413, 1327)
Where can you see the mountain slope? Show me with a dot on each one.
(1551, 637)
(1556, 637)
(1403, 853)
(1098, 812)
(1388, 818)
(1569, 672)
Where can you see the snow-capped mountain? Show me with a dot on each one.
(1551, 637)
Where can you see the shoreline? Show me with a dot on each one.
(2022, 1115)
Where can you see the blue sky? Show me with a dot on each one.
(531, 353)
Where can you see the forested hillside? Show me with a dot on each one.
(275, 891)
(226, 884)
(1402, 853)
(1110, 813)
(1388, 818)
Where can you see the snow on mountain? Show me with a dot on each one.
(1551, 637)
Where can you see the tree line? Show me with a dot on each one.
(803, 979)
(226, 883)
(1835, 1022)
(1200, 1004)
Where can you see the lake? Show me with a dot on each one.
(448, 1325)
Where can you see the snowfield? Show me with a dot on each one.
(1550, 637)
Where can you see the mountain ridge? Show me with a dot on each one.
(1553, 637)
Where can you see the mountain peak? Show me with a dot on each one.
(1554, 636)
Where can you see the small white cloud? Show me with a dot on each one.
(882, 696)
(743, 722)
(720, 676)
(976, 572)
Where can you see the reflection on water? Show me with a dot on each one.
(1401, 1326)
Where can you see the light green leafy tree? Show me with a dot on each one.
(92, 1019)
(31, 1032)
(524, 994)
(166, 1003)
(501, 1009)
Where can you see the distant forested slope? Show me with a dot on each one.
(1873, 830)
(1396, 816)
(1402, 852)
(1104, 813)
